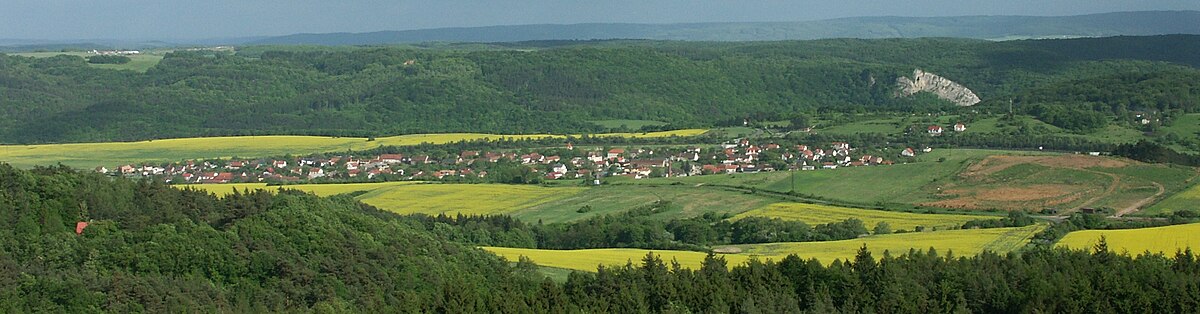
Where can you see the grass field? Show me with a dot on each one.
(859, 185)
(1165, 240)
(470, 199)
(684, 201)
(410, 197)
(961, 242)
(139, 62)
(88, 155)
(814, 214)
(1188, 199)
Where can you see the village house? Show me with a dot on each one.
(615, 152)
(935, 130)
(908, 152)
(959, 127)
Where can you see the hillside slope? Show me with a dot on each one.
(981, 27)
(559, 87)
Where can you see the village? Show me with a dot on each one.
(557, 163)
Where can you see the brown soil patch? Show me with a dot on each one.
(997, 163)
(1010, 198)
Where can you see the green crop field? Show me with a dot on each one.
(87, 155)
(139, 62)
(409, 197)
(683, 201)
(1187, 200)
(960, 242)
(469, 199)
(1166, 240)
(814, 214)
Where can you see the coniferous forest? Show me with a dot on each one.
(149, 247)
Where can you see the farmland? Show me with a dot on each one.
(87, 155)
(960, 242)
(138, 63)
(409, 197)
(977, 180)
(814, 214)
(468, 199)
(1188, 199)
(1165, 240)
(683, 202)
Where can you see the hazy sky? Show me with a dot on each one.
(192, 19)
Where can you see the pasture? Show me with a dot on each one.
(959, 242)
(814, 214)
(88, 155)
(682, 202)
(414, 197)
(1187, 200)
(1166, 240)
(137, 63)
(467, 199)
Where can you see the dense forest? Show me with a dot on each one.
(558, 87)
(148, 247)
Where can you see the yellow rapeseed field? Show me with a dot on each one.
(814, 214)
(470, 199)
(1166, 240)
(960, 242)
(87, 155)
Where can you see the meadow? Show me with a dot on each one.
(137, 63)
(1187, 200)
(1166, 240)
(88, 155)
(412, 197)
(468, 199)
(683, 201)
(814, 214)
(956, 242)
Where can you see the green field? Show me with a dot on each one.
(859, 185)
(88, 155)
(960, 242)
(1187, 200)
(1166, 240)
(411, 197)
(814, 214)
(683, 202)
(139, 62)
(468, 199)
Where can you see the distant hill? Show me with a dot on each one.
(979, 27)
(558, 87)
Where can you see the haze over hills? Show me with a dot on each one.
(1140, 23)
(979, 27)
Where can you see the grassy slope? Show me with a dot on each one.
(138, 63)
(87, 155)
(961, 242)
(470, 199)
(1188, 199)
(813, 214)
(685, 201)
(1136, 241)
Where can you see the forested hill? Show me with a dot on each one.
(149, 247)
(981, 27)
(558, 87)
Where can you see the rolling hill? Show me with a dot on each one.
(1074, 84)
(980, 27)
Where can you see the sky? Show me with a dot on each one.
(200, 19)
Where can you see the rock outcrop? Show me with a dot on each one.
(928, 82)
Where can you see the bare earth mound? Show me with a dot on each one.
(1064, 182)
